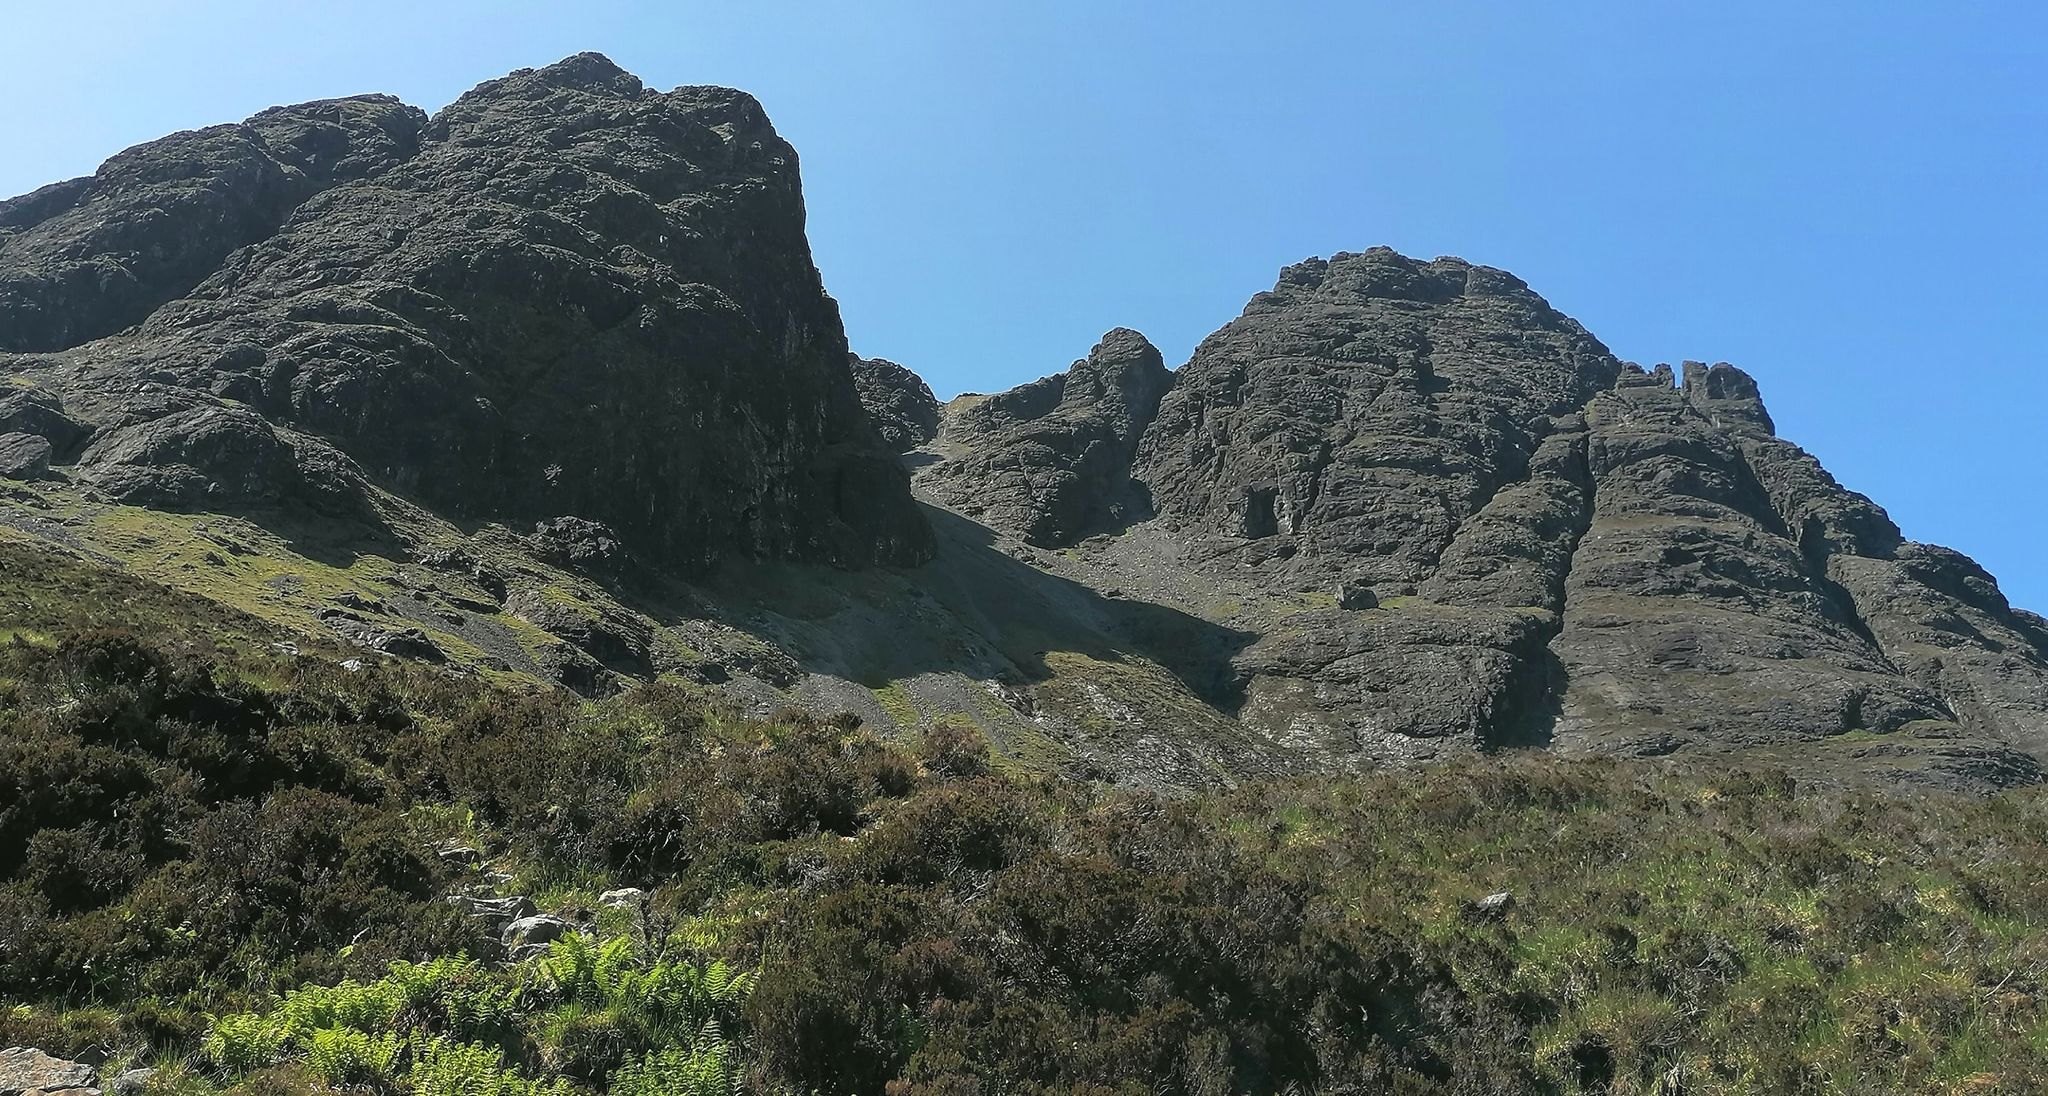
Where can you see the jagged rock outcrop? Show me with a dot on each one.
(1531, 543)
(1690, 613)
(88, 257)
(570, 295)
(26, 1071)
(1051, 461)
(898, 401)
(1395, 510)
(1355, 415)
(23, 456)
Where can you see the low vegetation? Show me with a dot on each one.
(232, 863)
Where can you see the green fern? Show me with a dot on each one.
(709, 1070)
(422, 986)
(243, 1041)
(444, 1068)
(341, 1056)
(368, 1008)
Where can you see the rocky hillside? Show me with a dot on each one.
(1444, 516)
(564, 294)
(547, 386)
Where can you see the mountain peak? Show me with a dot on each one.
(493, 328)
(588, 70)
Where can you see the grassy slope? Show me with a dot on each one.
(193, 826)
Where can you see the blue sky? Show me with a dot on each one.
(1847, 199)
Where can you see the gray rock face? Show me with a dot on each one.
(898, 401)
(1354, 416)
(1051, 461)
(31, 411)
(89, 257)
(23, 456)
(26, 1071)
(1557, 549)
(566, 294)
(1690, 613)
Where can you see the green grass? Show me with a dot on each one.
(898, 705)
(219, 858)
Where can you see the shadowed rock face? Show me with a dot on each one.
(1354, 416)
(566, 294)
(1559, 549)
(1396, 509)
(1051, 461)
(898, 401)
(89, 257)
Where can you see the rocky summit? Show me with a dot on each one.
(547, 384)
(564, 294)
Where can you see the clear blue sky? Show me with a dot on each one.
(1845, 198)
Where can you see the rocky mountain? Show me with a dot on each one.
(547, 384)
(564, 294)
(898, 401)
(1450, 519)
(1052, 460)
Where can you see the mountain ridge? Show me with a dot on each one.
(547, 384)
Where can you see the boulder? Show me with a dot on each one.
(535, 930)
(1493, 907)
(24, 456)
(399, 642)
(507, 909)
(1356, 595)
(26, 1071)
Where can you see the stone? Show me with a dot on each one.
(577, 543)
(26, 1071)
(1356, 595)
(897, 401)
(24, 456)
(456, 851)
(508, 909)
(33, 411)
(1051, 461)
(349, 599)
(536, 930)
(132, 1081)
(1493, 907)
(400, 642)
(623, 898)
